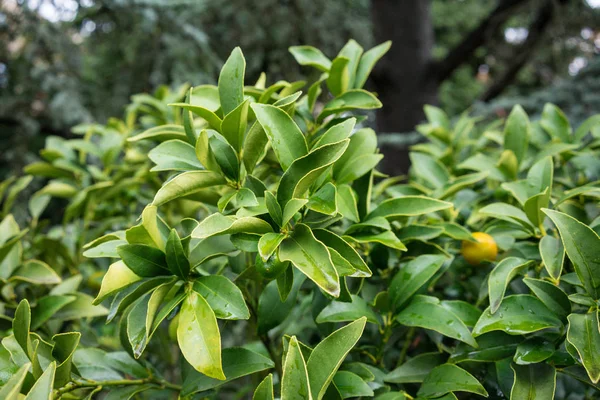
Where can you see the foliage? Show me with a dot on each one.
(257, 250)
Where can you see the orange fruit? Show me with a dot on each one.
(485, 249)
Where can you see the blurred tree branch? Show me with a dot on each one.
(536, 31)
(443, 68)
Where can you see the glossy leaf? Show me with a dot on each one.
(582, 245)
(553, 255)
(449, 378)
(231, 81)
(186, 184)
(416, 369)
(198, 336)
(223, 296)
(501, 276)
(144, 261)
(327, 356)
(408, 206)
(295, 381)
(584, 335)
(534, 382)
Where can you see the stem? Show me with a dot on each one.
(409, 337)
(75, 385)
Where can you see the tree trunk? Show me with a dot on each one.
(401, 78)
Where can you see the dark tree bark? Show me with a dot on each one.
(401, 77)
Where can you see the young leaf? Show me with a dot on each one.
(553, 255)
(218, 224)
(311, 257)
(339, 76)
(42, 389)
(304, 171)
(516, 132)
(174, 155)
(327, 356)
(286, 138)
(176, 257)
(582, 245)
(118, 277)
(231, 81)
(308, 55)
(233, 127)
(367, 63)
(268, 244)
(264, 391)
(185, 184)
(350, 100)
(556, 123)
(295, 382)
(223, 296)
(501, 276)
(198, 336)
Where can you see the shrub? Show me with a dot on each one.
(257, 247)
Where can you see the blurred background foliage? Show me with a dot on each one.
(64, 62)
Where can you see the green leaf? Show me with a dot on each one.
(46, 307)
(311, 56)
(553, 255)
(272, 310)
(226, 157)
(336, 133)
(556, 123)
(327, 356)
(234, 125)
(367, 63)
(347, 203)
(338, 311)
(254, 146)
(144, 261)
(176, 131)
(118, 277)
(198, 336)
(174, 155)
(324, 201)
(426, 312)
(468, 313)
(36, 272)
(552, 296)
(419, 232)
(185, 184)
(286, 138)
(429, 169)
(416, 369)
(455, 185)
(42, 389)
(362, 142)
(295, 381)
(582, 245)
(449, 378)
(586, 126)
(334, 241)
(508, 213)
(176, 257)
(274, 208)
(338, 80)
(237, 362)
(21, 326)
(584, 335)
(493, 346)
(533, 350)
(231, 81)
(264, 391)
(219, 224)
(533, 207)
(350, 100)
(204, 152)
(501, 276)
(268, 244)
(533, 382)
(516, 132)
(412, 276)
(12, 389)
(223, 296)
(311, 257)
(408, 206)
(63, 352)
(351, 385)
(79, 308)
(517, 315)
(304, 171)
(386, 238)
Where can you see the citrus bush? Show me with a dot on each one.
(240, 243)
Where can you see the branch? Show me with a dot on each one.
(442, 69)
(535, 33)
